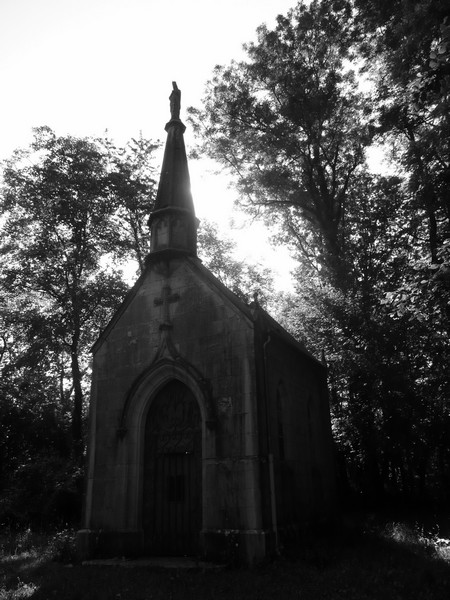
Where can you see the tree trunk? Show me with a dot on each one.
(77, 412)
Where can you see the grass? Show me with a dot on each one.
(365, 560)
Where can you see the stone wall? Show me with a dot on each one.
(300, 434)
(206, 342)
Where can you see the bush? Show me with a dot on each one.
(42, 492)
(62, 546)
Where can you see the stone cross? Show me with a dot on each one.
(166, 299)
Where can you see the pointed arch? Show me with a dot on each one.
(147, 385)
(133, 420)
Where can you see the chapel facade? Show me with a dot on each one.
(209, 429)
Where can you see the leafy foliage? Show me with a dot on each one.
(289, 123)
(408, 47)
(71, 208)
(134, 181)
(218, 254)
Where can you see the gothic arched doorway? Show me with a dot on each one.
(172, 472)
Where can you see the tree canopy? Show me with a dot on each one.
(218, 253)
(290, 123)
(71, 209)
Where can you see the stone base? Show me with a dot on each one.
(248, 547)
(108, 544)
(244, 547)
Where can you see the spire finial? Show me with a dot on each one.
(172, 221)
(175, 98)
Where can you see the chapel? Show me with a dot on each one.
(209, 425)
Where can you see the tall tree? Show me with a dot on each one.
(385, 340)
(289, 123)
(61, 201)
(406, 46)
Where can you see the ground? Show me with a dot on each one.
(364, 560)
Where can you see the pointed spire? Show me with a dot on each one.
(173, 222)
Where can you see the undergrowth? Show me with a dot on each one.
(364, 560)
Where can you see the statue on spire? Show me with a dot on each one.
(175, 98)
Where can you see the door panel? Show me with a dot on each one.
(172, 473)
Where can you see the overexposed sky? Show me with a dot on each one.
(86, 66)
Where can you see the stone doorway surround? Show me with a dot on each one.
(133, 423)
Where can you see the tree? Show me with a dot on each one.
(289, 123)
(61, 203)
(407, 51)
(245, 280)
(38, 477)
(134, 180)
(385, 341)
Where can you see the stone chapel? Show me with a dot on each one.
(209, 429)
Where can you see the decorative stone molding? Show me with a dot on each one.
(154, 378)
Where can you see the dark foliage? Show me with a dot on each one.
(70, 209)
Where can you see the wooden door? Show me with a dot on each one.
(172, 473)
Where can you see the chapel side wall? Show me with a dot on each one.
(300, 437)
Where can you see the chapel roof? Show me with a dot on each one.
(255, 315)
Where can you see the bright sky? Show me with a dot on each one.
(84, 66)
